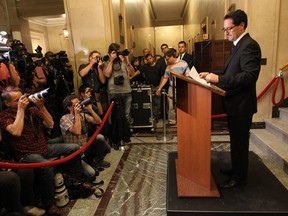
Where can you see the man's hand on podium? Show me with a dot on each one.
(209, 77)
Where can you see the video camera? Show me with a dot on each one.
(60, 57)
(7, 54)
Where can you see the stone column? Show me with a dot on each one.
(89, 27)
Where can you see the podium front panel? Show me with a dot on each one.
(194, 140)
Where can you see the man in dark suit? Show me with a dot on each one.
(239, 80)
(183, 55)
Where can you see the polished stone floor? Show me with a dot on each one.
(135, 184)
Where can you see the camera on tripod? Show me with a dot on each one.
(39, 95)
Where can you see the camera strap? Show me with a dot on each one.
(35, 131)
(117, 69)
(85, 122)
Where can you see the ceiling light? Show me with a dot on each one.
(65, 33)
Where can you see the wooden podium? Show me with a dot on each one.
(193, 166)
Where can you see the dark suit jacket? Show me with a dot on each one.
(239, 78)
(189, 59)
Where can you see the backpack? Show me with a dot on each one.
(79, 189)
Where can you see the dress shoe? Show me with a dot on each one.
(233, 183)
(227, 172)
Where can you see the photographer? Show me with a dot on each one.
(117, 70)
(93, 77)
(25, 65)
(22, 124)
(59, 76)
(75, 128)
(8, 75)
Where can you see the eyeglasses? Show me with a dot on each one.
(228, 28)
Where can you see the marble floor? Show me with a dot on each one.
(135, 184)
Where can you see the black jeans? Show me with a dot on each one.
(16, 187)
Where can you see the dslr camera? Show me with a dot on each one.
(103, 59)
(39, 95)
(123, 53)
(85, 102)
(119, 80)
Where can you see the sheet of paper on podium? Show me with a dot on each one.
(195, 76)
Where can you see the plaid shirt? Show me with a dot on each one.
(32, 140)
(66, 122)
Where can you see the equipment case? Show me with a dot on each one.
(141, 107)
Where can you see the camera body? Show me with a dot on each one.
(103, 59)
(119, 80)
(123, 53)
(39, 95)
(85, 102)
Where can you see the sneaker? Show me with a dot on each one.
(172, 122)
(34, 211)
(103, 164)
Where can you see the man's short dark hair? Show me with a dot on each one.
(67, 102)
(113, 47)
(147, 55)
(163, 45)
(94, 51)
(171, 52)
(182, 42)
(82, 88)
(238, 17)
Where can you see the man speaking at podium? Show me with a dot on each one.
(238, 79)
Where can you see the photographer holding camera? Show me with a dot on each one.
(22, 125)
(117, 69)
(93, 77)
(8, 75)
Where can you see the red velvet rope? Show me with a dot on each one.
(274, 92)
(264, 91)
(62, 160)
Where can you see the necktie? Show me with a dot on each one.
(181, 56)
(233, 46)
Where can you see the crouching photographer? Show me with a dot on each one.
(22, 126)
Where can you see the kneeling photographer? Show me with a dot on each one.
(117, 70)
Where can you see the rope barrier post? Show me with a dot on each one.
(164, 137)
